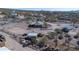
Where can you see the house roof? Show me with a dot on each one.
(32, 34)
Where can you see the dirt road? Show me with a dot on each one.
(13, 45)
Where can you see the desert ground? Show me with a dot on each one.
(22, 27)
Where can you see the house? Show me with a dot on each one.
(37, 24)
(32, 34)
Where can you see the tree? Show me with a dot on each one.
(45, 25)
(33, 41)
(66, 30)
(2, 38)
(2, 41)
(58, 31)
(2, 44)
(40, 35)
(51, 35)
(43, 41)
(67, 35)
(48, 49)
(67, 41)
(60, 37)
(76, 36)
(77, 42)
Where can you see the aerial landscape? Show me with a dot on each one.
(39, 30)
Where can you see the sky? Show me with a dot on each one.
(50, 9)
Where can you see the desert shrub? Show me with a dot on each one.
(76, 36)
(43, 41)
(51, 35)
(67, 35)
(33, 41)
(65, 30)
(40, 35)
(60, 37)
(58, 31)
(77, 42)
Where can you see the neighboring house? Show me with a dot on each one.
(21, 16)
(31, 35)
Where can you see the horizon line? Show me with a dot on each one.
(48, 9)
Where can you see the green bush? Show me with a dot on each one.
(34, 41)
